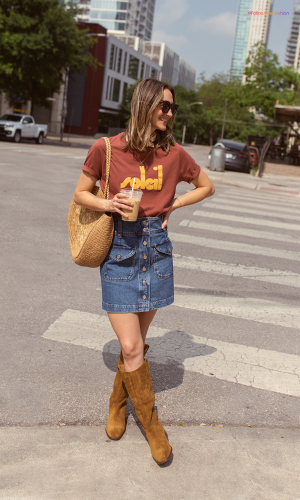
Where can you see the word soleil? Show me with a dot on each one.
(144, 183)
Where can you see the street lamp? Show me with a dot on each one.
(194, 103)
(184, 126)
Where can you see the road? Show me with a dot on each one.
(226, 353)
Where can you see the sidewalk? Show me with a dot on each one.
(209, 463)
(280, 184)
(73, 141)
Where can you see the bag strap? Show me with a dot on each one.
(108, 160)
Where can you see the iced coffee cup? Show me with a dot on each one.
(135, 197)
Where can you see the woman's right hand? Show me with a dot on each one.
(120, 202)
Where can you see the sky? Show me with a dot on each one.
(202, 32)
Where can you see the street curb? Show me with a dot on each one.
(255, 186)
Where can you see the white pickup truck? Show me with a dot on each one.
(15, 126)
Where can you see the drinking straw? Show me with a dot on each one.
(133, 184)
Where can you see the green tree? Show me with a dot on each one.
(39, 42)
(125, 106)
(266, 81)
(214, 93)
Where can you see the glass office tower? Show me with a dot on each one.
(293, 44)
(250, 29)
(131, 17)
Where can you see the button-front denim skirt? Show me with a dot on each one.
(137, 274)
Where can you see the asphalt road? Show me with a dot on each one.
(226, 353)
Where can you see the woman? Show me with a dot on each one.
(137, 275)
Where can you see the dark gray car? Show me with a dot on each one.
(237, 156)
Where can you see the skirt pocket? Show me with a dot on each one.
(119, 264)
(163, 260)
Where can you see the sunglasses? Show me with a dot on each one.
(167, 106)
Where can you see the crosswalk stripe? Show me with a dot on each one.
(265, 209)
(251, 233)
(229, 208)
(237, 270)
(222, 245)
(241, 364)
(247, 220)
(258, 310)
(254, 195)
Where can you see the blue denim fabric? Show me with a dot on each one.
(137, 274)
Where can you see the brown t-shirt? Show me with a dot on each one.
(157, 176)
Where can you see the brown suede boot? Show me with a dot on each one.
(117, 405)
(139, 386)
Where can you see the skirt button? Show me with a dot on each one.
(144, 297)
(144, 269)
(145, 257)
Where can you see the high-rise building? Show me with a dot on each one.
(174, 69)
(131, 17)
(293, 44)
(252, 26)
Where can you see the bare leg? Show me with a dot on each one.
(145, 319)
(131, 330)
(128, 331)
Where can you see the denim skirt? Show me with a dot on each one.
(137, 274)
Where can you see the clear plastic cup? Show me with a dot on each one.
(134, 196)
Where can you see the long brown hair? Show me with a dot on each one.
(145, 99)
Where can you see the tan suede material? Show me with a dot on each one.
(116, 425)
(139, 387)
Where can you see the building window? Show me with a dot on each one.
(116, 90)
(133, 67)
(111, 58)
(111, 88)
(125, 87)
(142, 70)
(153, 73)
(107, 88)
(125, 61)
(121, 16)
(119, 60)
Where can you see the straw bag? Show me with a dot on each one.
(91, 232)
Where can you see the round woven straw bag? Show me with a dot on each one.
(91, 232)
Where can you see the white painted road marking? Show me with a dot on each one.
(251, 233)
(265, 209)
(229, 208)
(249, 366)
(237, 270)
(258, 310)
(231, 246)
(258, 196)
(247, 220)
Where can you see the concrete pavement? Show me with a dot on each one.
(209, 463)
(79, 462)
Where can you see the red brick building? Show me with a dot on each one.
(85, 89)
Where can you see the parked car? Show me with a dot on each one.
(237, 156)
(254, 155)
(15, 126)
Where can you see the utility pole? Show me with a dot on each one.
(223, 126)
(64, 106)
(183, 134)
(184, 126)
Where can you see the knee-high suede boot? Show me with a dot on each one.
(117, 405)
(139, 386)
